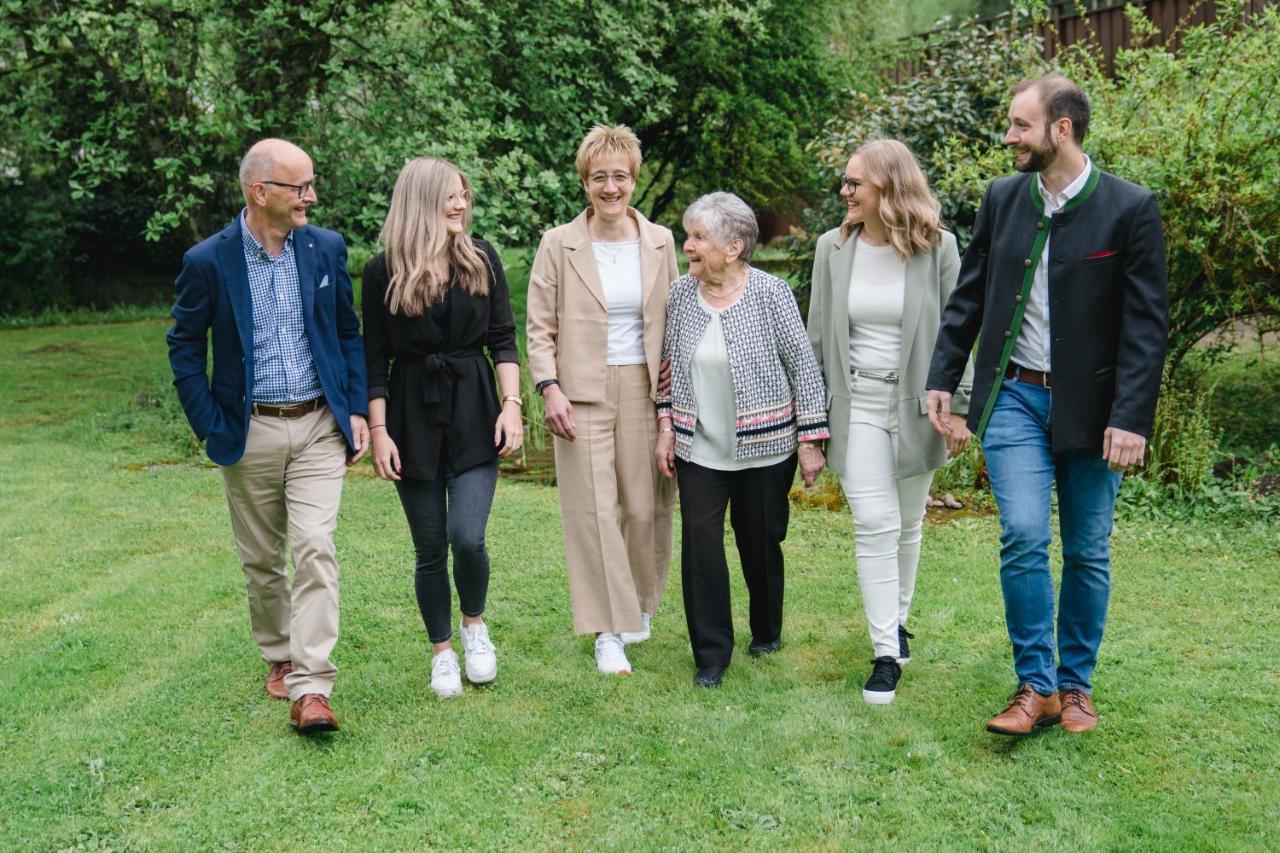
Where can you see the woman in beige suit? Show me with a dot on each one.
(596, 313)
(880, 282)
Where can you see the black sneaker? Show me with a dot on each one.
(904, 648)
(881, 686)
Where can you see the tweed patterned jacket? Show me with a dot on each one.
(778, 390)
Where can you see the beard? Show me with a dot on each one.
(1039, 159)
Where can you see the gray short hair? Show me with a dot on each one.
(726, 218)
(256, 165)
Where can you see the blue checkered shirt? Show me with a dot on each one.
(283, 369)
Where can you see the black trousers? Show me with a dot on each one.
(759, 512)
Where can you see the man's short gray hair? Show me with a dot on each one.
(256, 164)
(726, 218)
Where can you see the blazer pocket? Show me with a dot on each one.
(1105, 256)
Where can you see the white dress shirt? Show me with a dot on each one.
(1032, 347)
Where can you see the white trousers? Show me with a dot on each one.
(888, 513)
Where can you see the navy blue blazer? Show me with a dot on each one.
(213, 295)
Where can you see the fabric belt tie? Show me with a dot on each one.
(439, 378)
(1026, 374)
(288, 410)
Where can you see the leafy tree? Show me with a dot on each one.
(1201, 129)
(125, 120)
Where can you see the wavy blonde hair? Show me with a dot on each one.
(910, 212)
(415, 237)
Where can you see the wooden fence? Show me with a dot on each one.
(1107, 29)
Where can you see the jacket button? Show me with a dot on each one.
(1040, 226)
(1008, 334)
(1027, 262)
(997, 371)
(1017, 298)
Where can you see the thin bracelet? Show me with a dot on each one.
(377, 426)
(512, 398)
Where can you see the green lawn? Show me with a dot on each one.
(132, 713)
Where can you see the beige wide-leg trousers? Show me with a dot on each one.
(616, 507)
(286, 488)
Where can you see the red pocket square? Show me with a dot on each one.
(1105, 253)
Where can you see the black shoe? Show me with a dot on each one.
(904, 648)
(708, 676)
(883, 683)
(758, 649)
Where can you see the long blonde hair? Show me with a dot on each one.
(910, 212)
(415, 236)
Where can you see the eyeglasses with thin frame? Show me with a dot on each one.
(850, 184)
(600, 179)
(302, 189)
(465, 195)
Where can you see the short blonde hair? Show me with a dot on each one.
(910, 212)
(602, 141)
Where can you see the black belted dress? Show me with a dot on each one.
(442, 401)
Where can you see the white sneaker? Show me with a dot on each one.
(637, 636)
(480, 655)
(446, 678)
(610, 658)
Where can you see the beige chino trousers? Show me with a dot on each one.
(616, 507)
(286, 490)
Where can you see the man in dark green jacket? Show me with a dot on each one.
(1065, 279)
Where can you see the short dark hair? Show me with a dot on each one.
(1061, 99)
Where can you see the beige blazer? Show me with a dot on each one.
(568, 320)
(930, 278)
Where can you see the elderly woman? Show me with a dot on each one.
(745, 389)
(879, 283)
(597, 308)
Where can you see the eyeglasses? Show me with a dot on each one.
(850, 184)
(302, 189)
(465, 195)
(600, 179)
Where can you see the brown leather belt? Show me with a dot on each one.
(1026, 374)
(293, 410)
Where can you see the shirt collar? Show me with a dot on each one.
(1071, 190)
(251, 244)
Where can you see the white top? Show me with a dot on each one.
(877, 288)
(619, 265)
(715, 435)
(1032, 347)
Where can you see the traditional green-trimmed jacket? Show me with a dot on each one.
(1108, 305)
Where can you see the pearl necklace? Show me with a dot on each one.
(746, 275)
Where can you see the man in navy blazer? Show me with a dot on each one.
(1065, 278)
(283, 413)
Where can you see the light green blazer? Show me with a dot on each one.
(930, 278)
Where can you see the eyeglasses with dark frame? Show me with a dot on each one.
(850, 184)
(302, 189)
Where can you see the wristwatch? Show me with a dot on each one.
(545, 384)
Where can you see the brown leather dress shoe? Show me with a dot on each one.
(1027, 711)
(275, 679)
(1078, 714)
(312, 714)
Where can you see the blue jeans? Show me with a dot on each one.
(1023, 471)
(449, 512)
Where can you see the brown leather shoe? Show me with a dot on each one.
(312, 714)
(1078, 714)
(275, 679)
(1027, 711)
